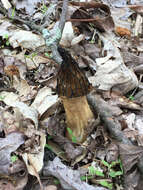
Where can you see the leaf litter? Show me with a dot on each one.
(105, 38)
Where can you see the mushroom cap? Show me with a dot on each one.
(71, 80)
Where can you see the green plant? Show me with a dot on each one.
(131, 98)
(49, 55)
(6, 37)
(56, 181)
(13, 13)
(2, 98)
(111, 171)
(13, 158)
(48, 146)
(93, 171)
(44, 8)
(84, 178)
(74, 140)
(105, 183)
(31, 56)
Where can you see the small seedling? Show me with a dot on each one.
(94, 171)
(13, 158)
(74, 140)
(131, 98)
(49, 55)
(2, 98)
(106, 184)
(13, 13)
(111, 171)
(44, 9)
(56, 181)
(6, 37)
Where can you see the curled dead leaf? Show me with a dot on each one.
(103, 22)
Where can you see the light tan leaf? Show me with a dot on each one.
(34, 162)
(44, 100)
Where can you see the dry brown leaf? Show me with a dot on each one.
(44, 100)
(8, 145)
(122, 31)
(103, 22)
(34, 162)
(111, 71)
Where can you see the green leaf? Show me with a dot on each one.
(27, 56)
(114, 163)
(2, 98)
(71, 134)
(99, 173)
(13, 13)
(105, 163)
(14, 158)
(131, 98)
(49, 55)
(56, 181)
(48, 146)
(5, 36)
(69, 131)
(106, 184)
(121, 166)
(34, 54)
(7, 43)
(74, 140)
(118, 173)
(91, 170)
(83, 178)
(113, 173)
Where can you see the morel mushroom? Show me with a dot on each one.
(72, 87)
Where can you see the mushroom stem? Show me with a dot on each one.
(72, 87)
(78, 117)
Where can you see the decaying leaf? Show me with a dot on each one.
(18, 173)
(9, 122)
(102, 20)
(28, 5)
(44, 100)
(111, 70)
(34, 162)
(25, 39)
(27, 112)
(8, 145)
(130, 155)
(124, 102)
(57, 150)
